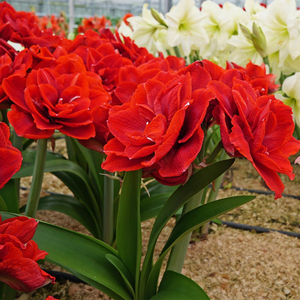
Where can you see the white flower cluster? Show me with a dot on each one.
(220, 34)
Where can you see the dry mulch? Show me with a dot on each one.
(230, 264)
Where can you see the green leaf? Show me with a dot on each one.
(196, 217)
(56, 164)
(151, 206)
(189, 222)
(74, 154)
(176, 286)
(71, 207)
(29, 157)
(195, 184)
(119, 265)
(85, 256)
(217, 221)
(10, 195)
(96, 284)
(152, 187)
(94, 160)
(7, 292)
(3, 206)
(129, 240)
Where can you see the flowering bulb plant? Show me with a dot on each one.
(140, 134)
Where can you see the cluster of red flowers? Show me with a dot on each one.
(59, 24)
(161, 128)
(93, 23)
(25, 28)
(142, 111)
(19, 255)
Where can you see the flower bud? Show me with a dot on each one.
(257, 37)
(259, 40)
(157, 17)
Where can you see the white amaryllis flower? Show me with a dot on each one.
(282, 24)
(217, 27)
(290, 95)
(144, 29)
(253, 8)
(236, 15)
(289, 66)
(184, 27)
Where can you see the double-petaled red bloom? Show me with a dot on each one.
(60, 95)
(10, 157)
(258, 128)
(19, 255)
(159, 130)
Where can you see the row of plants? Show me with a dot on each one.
(148, 135)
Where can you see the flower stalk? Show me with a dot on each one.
(178, 253)
(37, 178)
(108, 209)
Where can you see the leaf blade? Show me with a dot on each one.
(129, 240)
(176, 286)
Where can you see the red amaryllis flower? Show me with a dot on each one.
(260, 129)
(10, 157)
(54, 98)
(19, 255)
(256, 75)
(159, 129)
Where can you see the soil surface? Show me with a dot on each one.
(230, 264)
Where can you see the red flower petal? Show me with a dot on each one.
(24, 125)
(21, 227)
(23, 274)
(10, 157)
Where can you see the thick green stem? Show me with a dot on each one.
(37, 178)
(177, 51)
(178, 252)
(3, 116)
(297, 131)
(108, 209)
(214, 193)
